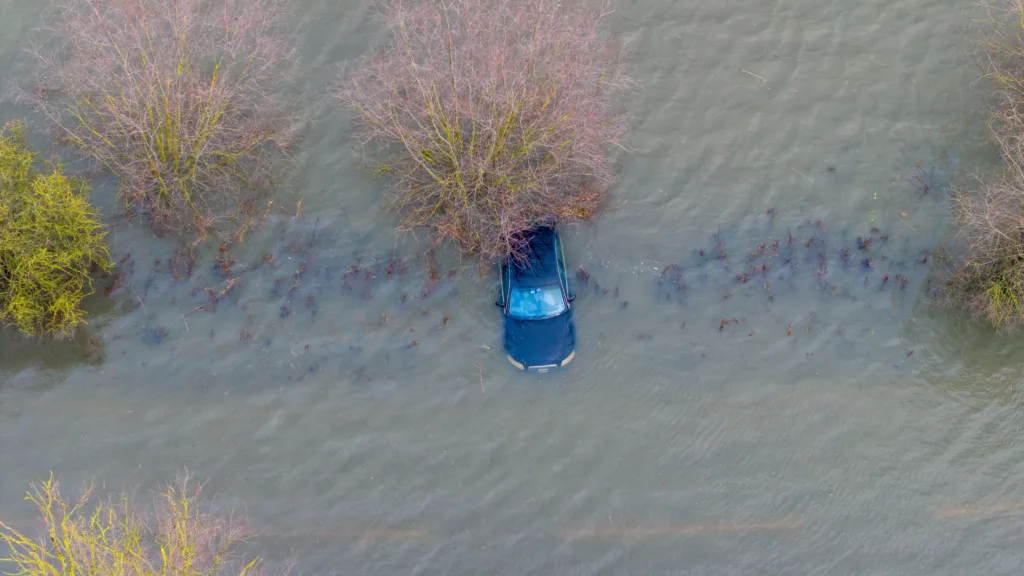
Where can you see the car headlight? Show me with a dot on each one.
(516, 364)
(569, 358)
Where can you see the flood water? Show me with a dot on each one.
(810, 417)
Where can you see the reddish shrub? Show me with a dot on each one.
(179, 98)
(490, 116)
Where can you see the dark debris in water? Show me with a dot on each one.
(804, 259)
(155, 336)
(807, 256)
(292, 281)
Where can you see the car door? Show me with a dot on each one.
(506, 285)
(563, 275)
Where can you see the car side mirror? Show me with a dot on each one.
(572, 297)
(499, 303)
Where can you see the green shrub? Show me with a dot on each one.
(50, 242)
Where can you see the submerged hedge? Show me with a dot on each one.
(50, 242)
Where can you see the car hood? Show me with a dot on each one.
(540, 342)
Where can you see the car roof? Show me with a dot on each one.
(540, 268)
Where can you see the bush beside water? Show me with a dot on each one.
(988, 215)
(181, 535)
(181, 100)
(491, 116)
(51, 240)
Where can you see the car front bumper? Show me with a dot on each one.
(540, 369)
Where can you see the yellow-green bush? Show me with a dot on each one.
(50, 242)
(114, 538)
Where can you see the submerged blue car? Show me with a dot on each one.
(535, 299)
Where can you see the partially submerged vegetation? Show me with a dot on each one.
(181, 536)
(491, 116)
(988, 280)
(181, 100)
(51, 241)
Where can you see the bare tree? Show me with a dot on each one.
(491, 116)
(987, 280)
(181, 99)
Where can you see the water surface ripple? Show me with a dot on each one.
(812, 418)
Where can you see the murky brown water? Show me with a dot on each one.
(878, 437)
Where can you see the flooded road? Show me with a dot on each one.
(760, 387)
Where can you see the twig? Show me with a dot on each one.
(802, 174)
(618, 207)
(761, 78)
(141, 303)
(315, 224)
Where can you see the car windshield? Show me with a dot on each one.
(536, 303)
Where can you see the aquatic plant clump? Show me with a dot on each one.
(181, 99)
(988, 279)
(181, 536)
(491, 116)
(51, 240)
